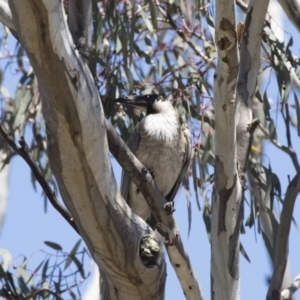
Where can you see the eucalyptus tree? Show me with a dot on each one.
(86, 53)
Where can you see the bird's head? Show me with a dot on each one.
(148, 102)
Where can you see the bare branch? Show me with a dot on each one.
(184, 271)
(23, 152)
(35, 293)
(5, 15)
(285, 149)
(6, 18)
(144, 181)
(242, 5)
(286, 119)
(281, 250)
(288, 292)
(292, 10)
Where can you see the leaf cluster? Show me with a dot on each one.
(57, 274)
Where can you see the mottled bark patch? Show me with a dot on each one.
(247, 61)
(149, 250)
(224, 193)
(234, 242)
(224, 43)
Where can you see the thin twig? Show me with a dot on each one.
(289, 151)
(43, 290)
(242, 5)
(282, 239)
(288, 292)
(24, 153)
(180, 32)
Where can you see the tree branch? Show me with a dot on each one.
(287, 150)
(35, 293)
(226, 216)
(6, 17)
(145, 183)
(281, 250)
(292, 10)
(79, 21)
(184, 270)
(242, 5)
(23, 152)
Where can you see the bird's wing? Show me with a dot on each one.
(132, 143)
(185, 163)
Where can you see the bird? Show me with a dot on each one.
(162, 145)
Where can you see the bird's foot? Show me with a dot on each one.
(152, 174)
(169, 207)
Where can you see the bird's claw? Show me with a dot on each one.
(169, 207)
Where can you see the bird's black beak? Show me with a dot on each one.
(135, 101)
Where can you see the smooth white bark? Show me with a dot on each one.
(4, 175)
(235, 81)
(224, 257)
(78, 153)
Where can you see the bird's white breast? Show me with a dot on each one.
(161, 150)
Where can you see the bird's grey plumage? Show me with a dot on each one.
(163, 147)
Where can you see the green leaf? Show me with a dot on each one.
(267, 107)
(244, 253)
(207, 218)
(145, 18)
(130, 79)
(189, 209)
(194, 172)
(124, 41)
(269, 186)
(7, 259)
(268, 245)
(272, 129)
(21, 272)
(297, 112)
(72, 254)
(54, 246)
(35, 270)
(72, 294)
(153, 13)
(45, 269)
(23, 285)
(132, 30)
